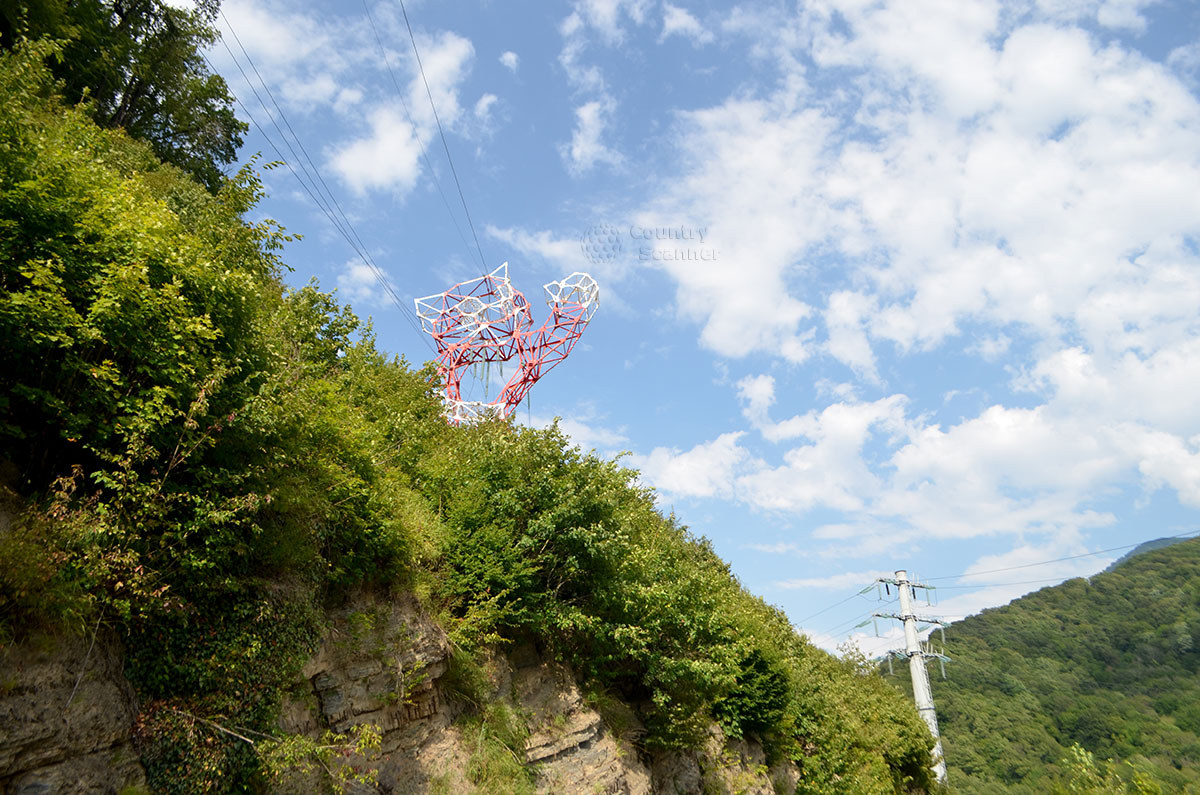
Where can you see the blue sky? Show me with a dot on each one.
(932, 303)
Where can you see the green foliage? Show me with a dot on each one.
(208, 459)
(344, 759)
(138, 65)
(1108, 664)
(497, 737)
(1086, 778)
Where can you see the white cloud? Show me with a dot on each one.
(389, 156)
(387, 159)
(974, 174)
(586, 430)
(707, 470)
(303, 60)
(830, 471)
(564, 253)
(755, 188)
(358, 286)
(781, 548)
(1123, 14)
(582, 77)
(273, 35)
(991, 348)
(483, 107)
(606, 16)
(849, 579)
(510, 61)
(679, 22)
(1026, 168)
(846, 316)
(446, 58)
(587, 148)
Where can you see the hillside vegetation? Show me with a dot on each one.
(1111, 664)
(205, 460)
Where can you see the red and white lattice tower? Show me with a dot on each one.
(486, 321)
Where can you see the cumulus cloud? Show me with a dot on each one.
(587, 148)
(388, 157)
(679, 22)
(707, 470)
(510, 60)
(1003, 187)
(358, 285)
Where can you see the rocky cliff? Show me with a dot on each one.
(67, 716)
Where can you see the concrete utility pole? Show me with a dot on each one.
(922, 693)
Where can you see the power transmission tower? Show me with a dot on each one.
(916, 654)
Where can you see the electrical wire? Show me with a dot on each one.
(852, 623)
(837, 628)
(1055, 560)
(827, 609)
(315, 174)
(416, 134)
(344, 227)
(978, 586)
(442, 133)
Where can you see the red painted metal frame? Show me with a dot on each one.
(486, 320)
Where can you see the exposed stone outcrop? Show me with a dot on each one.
(66, 717)
(569, 745)
(723, 766)
(385, 665)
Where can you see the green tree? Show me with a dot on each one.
(1088, 778)
(138, 65)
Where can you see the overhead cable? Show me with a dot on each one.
(416, 133)
(442, 133)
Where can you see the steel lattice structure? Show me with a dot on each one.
(486, 320)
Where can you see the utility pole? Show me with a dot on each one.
(922, 693)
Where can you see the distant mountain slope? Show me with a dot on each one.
(1141, 549)
(1112, 664)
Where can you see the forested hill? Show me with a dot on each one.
(1111, 663)
(204, 463)
(1143, 548)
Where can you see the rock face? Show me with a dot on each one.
(387, 665)
(66, 717)
(383, 665)
(569, 745)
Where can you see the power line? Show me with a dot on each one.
(344, 227)
(442, 133)
(315, 176)
(852, 623)
(1001, 584)
(416, 132)
(1055, 560)
(835, 604)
